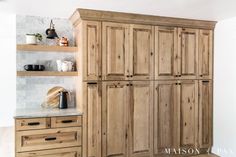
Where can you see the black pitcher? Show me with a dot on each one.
(63, 100)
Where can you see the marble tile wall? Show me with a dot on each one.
(31, 91)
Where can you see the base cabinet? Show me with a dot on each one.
(66, 152)
(61, 138)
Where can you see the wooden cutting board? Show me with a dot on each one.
(52, 98)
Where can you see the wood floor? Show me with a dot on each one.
(7, 142)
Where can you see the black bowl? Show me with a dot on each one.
(28, 67)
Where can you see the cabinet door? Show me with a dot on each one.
(114, 119)
(166, 52)
(205, 113)
(141, 52)
(141, 119)
(188, 53)
(205, 54)
(92, 61)
(115, 50)
(166, 116)
(188, 93)
(92, 120)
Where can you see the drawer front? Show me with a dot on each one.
(48, 139)
(65, 152)
(32, 123)
(68, 121)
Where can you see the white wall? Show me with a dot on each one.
(7, 69)
(225, 89)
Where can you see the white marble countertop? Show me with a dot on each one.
(40, 112)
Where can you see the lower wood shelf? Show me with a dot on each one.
(46, 73)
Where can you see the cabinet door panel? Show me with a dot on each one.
(205, 54)
(188, 53)
(188, 113)
(92, 50)
(141, 119)
(166, 49)
(205, 113)
(115, 51)
(141, 52)
(92, 120)
(114, 119)
(166, 118)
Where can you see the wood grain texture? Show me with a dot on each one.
(188, 113)
(166, 116)
(67, 121)
(110, 16)
(187, 53)
(45, 48)
(92, 120)
(48, 139)
(166, 52)
(65, 152)
(205, 114)
(32, 123)
(141, 54)
(46, 73)
(140, 137)
(115, 49)
(92, 57)
(205, 54)
(114, 119)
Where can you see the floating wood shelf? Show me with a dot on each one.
(47, 48)
(46, 73)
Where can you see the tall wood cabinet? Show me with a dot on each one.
(146, 84)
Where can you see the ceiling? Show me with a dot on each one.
(196, 9)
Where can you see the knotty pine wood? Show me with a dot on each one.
(65, 152)
(32, 123)
(111, 16)
(46, 73)
(47, 48)
(67, 121)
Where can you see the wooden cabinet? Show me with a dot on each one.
(128, 52)
(166, 52)
(205, 114)
(152, 93)
(65, 152)
(175, 115)
(127, 118)
(187, 53)
(188, 96)
(141, 54)
(114, 119)
(166, 116)
(36, 140)
(91, 48)
(205, 54)
(115, 49)
(92, 120)
(141, 119)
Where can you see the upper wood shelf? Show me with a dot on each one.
(47, 48)
(46, 73)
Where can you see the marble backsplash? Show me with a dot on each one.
(31, 91)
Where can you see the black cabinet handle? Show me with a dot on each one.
(205, 81)
(67, 121)
(33, 123)
(50, 138)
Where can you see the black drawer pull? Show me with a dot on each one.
(33, 123)
(205, 81)
(50, 138)
(67, 121)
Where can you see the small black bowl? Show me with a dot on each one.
(41, 67)
(35, 67)
(28, 67)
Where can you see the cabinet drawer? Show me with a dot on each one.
(65, 152)
(58, 122)
(48, 139)
(32, 123)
